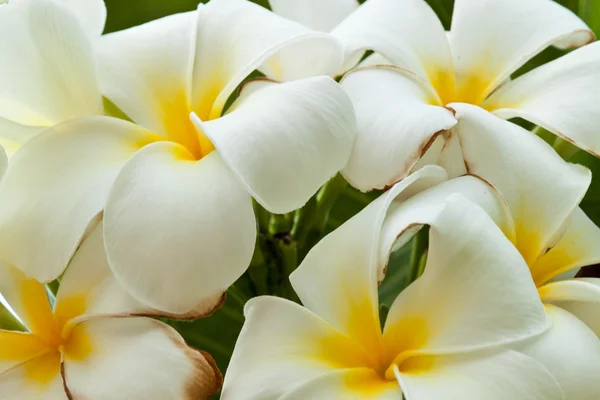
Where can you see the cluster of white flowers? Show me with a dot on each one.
(132, 166)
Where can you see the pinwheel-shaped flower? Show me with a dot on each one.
(177, 198)
(403, 109)
(47, 72)
(96, 342)
(448, 335)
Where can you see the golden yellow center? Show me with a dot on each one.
(471, 89)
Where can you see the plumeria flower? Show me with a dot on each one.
(179, 225)
(448, 335)
(404, 110)
(94, 341)
(47, 69)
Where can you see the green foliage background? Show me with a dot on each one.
(218, 333)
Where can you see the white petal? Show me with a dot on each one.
(507, 375)
(235, 37)
(138, 358)
(540, 188)
(28, 299)
(475, 293)
(145, 71)
(89, 289)
(14, 132)
(408, 33)
(577, 248)
(48, 70)
(177, 231)
(452, 159)
(62, 175)
(396, 125)
(321, 15)
(281, 346)
(571, 352)
(285, 141)
(90, 13)
(492, 39)
(37, 379)
(345, 295)
(587, 312)
(559, 96)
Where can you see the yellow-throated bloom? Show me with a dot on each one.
(404, 110)
(95, 342)
(177, 196)
(450, 334)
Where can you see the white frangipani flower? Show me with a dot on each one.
(448, 335)
(403, 109)
(178, 220)
(48, 68)
(95, 342)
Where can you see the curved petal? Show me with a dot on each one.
(491, 39)
(28, 299)
(321, 15)
(177, 231)
(14, 132)
(569, 339)
(17, 348)
(408, 33)
(476, 291)
(396, 125)
(357, 383)
(37, 379)
(91, 14)
(577, 248)
(63, 174)
(145, 71)
(283, 143)
(345, 295)
(48, 69)
(558, 96)
(236, 36)
(451, 158)
(506, 375)
(281, 346)
(88, 289)
(138, 358)
(540, 188)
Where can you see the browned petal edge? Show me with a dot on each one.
(591, 38)
(387, 260)
(205, 309)
(206, 380)
(64, 380)
(253, 80)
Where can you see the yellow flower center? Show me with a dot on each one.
(472, 89)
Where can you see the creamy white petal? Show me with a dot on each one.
(491, 39)
(37, 379)
(578, 247)
(475, 293)
(540, 198)
(560, 96)
(321, 15)
(506, 375)
(89, 289)
(14, 132)
(177, 230)
(48, 69)
(346, 262)
(396, 125)
(281, 346)
(90, 13)
(62, 175)
(408, 33)
(236, 37)
(571, 352)
(138, 358)
(451, 158)
(285, 141)
(145, 71)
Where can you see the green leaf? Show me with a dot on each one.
(589, 11)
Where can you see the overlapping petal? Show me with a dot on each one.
(285, 141)
(135, 358)
(559, 96)
(177, 231)
(491, 39)
(316, 14)
(91, 14)
(540, 189)
(36, 379)
(396, 125)
(54, 187)
(19, 348)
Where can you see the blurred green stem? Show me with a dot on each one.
(418, 256)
